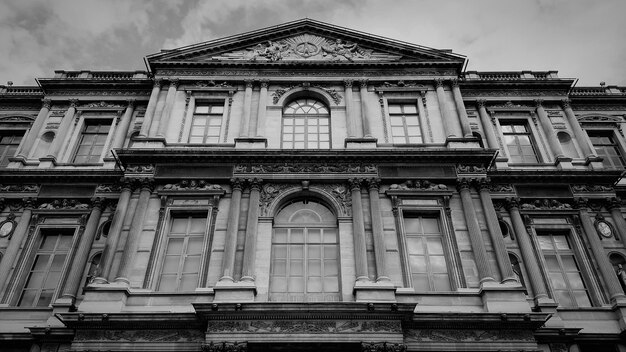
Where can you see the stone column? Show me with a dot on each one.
(134, 234)
(502, 257)
(166, 114)
(245, 116)
(31, 136)
(485, 119)
(74, 277)
(350, 122)
(230, 245)
(62, 131)
(365, 110)
(358, 228)
(446, 119)
(259, 129)
(378, 232)
(614, 207)
(460, 106)
(581, 136)
(7, 264)
(249, 250)
(548, 129)
(149, 116)
(606, 269)
(122, 131)
(106, 261)
(528, 253)
(473, 228)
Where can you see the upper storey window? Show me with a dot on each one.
(92, 141)
(8, 146)
(519, 142)
(206, 124)
(607, 148)
(405, 126)
(306, 125)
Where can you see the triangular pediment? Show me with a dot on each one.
(305, 41)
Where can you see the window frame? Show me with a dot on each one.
(87, 117)
(192, 113)
(306, 117)
(4, 155)
(418, 117)
(617, 144)
(531, 137)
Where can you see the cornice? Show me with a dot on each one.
(452, 320)
(51, 175)
(130, 320)
(605, 177)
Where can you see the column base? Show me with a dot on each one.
(367, 291)
(251, 142)
(104, 298)
(149, 142)
(462, 143)
(499, 298)
(360, 142)
(242, 291)
(563, 163)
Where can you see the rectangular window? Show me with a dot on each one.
(563, 271)
(606, 146)
(45, 273)
(9, 141)
(92, 141)
(183, 254)
(405, 125)
(206, 124)
(519, 142)
(425, 250)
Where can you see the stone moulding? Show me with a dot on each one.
(290, 168)
(304, 327)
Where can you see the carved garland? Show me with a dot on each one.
(305, 168)
(282, 90)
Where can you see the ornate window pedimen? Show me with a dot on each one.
(305, 125)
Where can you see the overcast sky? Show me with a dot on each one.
(581, 39)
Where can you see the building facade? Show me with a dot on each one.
(308, 187)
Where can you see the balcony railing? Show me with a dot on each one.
(598, 91)
(101, 75)
(20, 90)
(511, 75)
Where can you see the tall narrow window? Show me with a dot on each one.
(306, 125)
(519, 142)
(606, 146)
(305, 264)
(427, 260)
(563, 270)
(9, 141)
(92, 141)
(183, 254)
(206, 124)
(405, 126)
(45, 273)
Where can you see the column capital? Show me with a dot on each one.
(46, 103)
(438, 82)
(28, 203)
(538, 103)
(248, 83)
(255, 183)
(73, 103)
(581, 203)
(481, 103)
(484, 184)
(355, 184)
(146, 184)
(264, 83)
(236, 183)
(158, 82)
(174, 82)
(99, 203)
(363, 83)
(348, 83)
(130, 103)
(455, 82)
(613, 203)
(125, 183)
(373, 183)
(511, 203)
(566, 103)
(463, 184)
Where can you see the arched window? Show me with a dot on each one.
(305, 260)
(306, 125)
(619, 264)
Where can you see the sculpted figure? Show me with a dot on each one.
(621, 274)
(340, 49)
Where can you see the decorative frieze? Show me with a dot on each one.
(583, 188)
(382, 347)
(304, 326)
(420, 185)
(308, 73)
(225, 347)
(140, 169)
(30, 188)
(546, 204)
(192, 185)
(63, 204)
(160, 335)
(501, 188)
(470, 169)
(290, 168)
(467, 335)
(279, 92)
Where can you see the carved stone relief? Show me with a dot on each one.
(19, 188)
(161, 335)
(282, 90)
(423, 185)
(467, 335)
(191, 185)
(305, 168)
(303, 327)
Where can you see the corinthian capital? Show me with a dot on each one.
(455, 82)
(348, 83)
(236, 183)
(538, 103)
(73, 103)
(438, 82)
(482, 103)
(566, 103)
(511, 203)
(355, 184)
(46, 103)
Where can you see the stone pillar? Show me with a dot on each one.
(548, 129)
(31, 136)
(62, 131)
(249, 251)
(485, 119)
(528, 254)
(230, 245)
(446, 119)
(75, 275)
(473, 228)
(502, 257)
(106, 261)
(614, 207)
(8, 262)
(365, 111)
(166, 114)
(606, 269)
(122, 131)
(380, 250)
(259, 129)
(134, 234)
(358, 228)
(245, 116)
(581, 136)
(350, 121)
(460, 107)
(149, 116)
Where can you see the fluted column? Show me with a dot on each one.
(502, 257)
(122, 131)
(476, 237)
(230, 245)
(528, 254)
(134, 234)
(62, 131)
(446, 119)
(7, 264)
(259, 129)
(166, 114)
(75, 275)
(358, 229)
(460, 107)
(106, 261)
(245, 116)
(614, 206)
(580, 135)
(485, 119)
(350, 120)
(152, 103)
(606, 269)
(365, 110)
(380, 251)
(249, 250)
(548, 129)
(32, 134)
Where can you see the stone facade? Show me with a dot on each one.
(309, 187)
